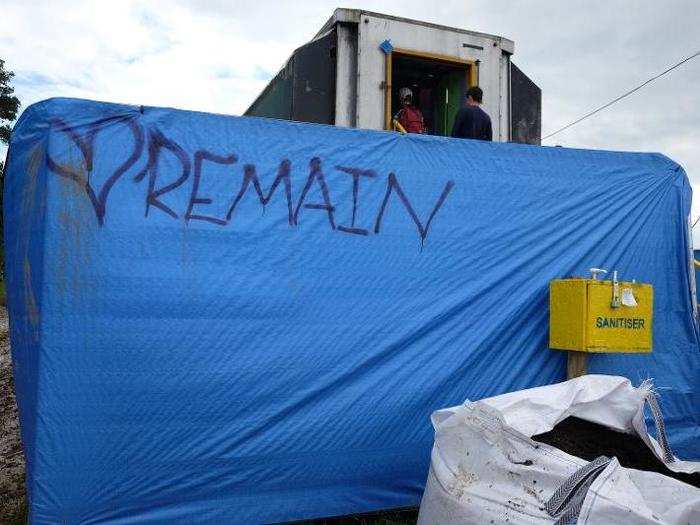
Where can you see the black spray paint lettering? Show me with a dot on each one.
(156, 143)
(86, 145)
(393, 185)
(315, 174)
(250, 177)
(356, 173)
(199, 157)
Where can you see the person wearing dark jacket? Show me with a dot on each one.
(471, 121)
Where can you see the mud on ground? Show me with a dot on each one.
(12, 493)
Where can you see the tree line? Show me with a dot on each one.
(9, 105)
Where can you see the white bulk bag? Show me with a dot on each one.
(486, 469)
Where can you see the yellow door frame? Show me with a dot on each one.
(471, 67)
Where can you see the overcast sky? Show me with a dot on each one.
(218, 55)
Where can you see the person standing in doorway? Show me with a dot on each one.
(471, 121)
(409, 116)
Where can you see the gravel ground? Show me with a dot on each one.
(12, 496)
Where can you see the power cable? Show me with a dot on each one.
(640, 86)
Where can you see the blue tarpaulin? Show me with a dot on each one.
(219, 319)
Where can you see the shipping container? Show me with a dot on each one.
(350, 74)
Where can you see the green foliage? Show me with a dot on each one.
(9, 104)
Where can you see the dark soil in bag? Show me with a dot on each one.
(588, 440)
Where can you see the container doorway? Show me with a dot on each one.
(438, 84)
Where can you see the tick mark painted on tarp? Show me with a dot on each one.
(86, 145)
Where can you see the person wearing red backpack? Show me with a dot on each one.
(409, 116)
